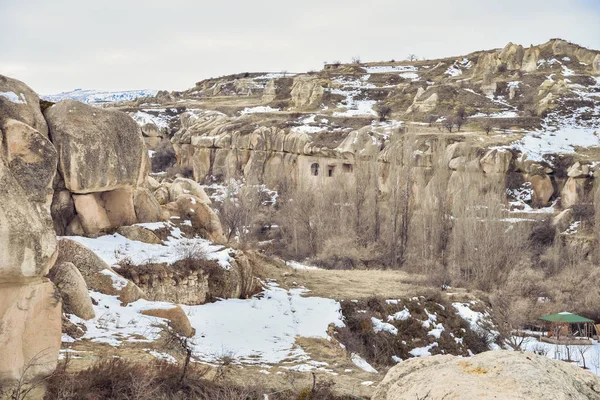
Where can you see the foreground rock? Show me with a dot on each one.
(30, 307)
(500, 375)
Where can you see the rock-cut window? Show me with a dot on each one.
(314, 169)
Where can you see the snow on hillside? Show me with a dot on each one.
(97, 96)
(260, 330)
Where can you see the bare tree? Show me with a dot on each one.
(448, 123)
(383, 111)
(488, 126)
(399, 202)
(582, 352)
(412, 57)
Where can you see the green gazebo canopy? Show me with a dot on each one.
(566, 318)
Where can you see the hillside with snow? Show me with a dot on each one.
(89, 96)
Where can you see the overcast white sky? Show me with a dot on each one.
(61, 45)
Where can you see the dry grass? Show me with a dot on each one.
(119, 377)
(346, 284)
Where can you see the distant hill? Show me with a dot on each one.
(96, 96)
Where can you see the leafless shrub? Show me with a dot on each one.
(164, 156)
(383, 111)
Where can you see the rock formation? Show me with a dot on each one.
(502, 375)
(30, 307)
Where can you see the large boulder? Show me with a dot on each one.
(147, 208)
(139, 233)
(98, 275)
(18, 101)
(27, 240)
(119, 207)
(187, 186)
(203, 218)
(73, 290)
(496, 161)
(499, 375)
(177, 319)
(31, 157)
(99, 150)
(572, 192)
(91, 213)
(30, 330)
(542, 189)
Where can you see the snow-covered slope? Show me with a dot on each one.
(97, 96)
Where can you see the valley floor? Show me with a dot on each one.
(277, 338)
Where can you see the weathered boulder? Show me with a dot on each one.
(496, 161)
(139, 233)
(423, 102)
(97, 274)
(177, 319)
(572, 191)
(91, 213)
(151, 184)
(27, 240)
(73, 290)
(542, 189)
(563, 220)
(202, 216)
(31, 157)
(307, 92)
(501, 375)
(30, 318)
(147, 208)
(119, 207)
(187, 186)
(18, 101)
(162, 195)
(99, 150)
(578, 170)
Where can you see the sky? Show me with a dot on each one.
(56, 46)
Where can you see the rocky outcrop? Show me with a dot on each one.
(203, 218)
(102, 161)
(30, 307)
(73, 290)
(197, 285)
(19, 102)
(502, 375)
(176, 317)
(307, 92)
(99, 150)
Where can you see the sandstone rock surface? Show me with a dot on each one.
(500, 375)
(177, 318)
(73, 290)
(18, 101)
(139, 233)
(30, 318)
(99, 150)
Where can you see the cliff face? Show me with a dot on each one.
(527, 114)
